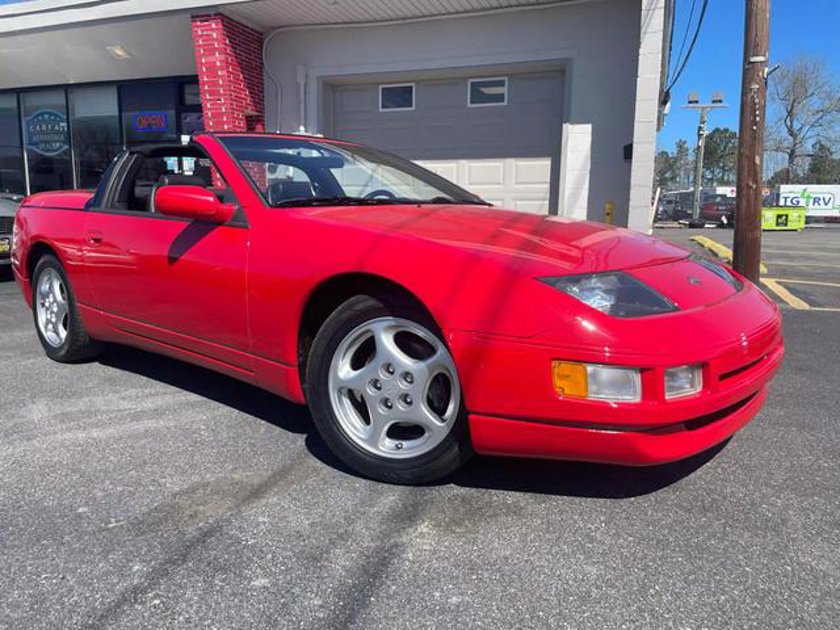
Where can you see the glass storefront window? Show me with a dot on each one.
(65, 137)
(12, 178)
(149, 111)
(95, 130)
(46, 140)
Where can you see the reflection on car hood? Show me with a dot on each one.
(561, 245)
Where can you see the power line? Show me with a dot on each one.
(685, 34)
(691, 46)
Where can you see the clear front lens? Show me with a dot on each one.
(683, 381)
(611, 383)
(615, 293)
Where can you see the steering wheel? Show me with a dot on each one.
(380, 192)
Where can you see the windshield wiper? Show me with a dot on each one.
(333, 201)
(449, 200)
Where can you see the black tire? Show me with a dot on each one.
(77, 345)
(441, 461)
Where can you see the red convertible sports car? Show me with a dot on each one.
(418, 324)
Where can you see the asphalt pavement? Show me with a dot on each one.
(140, 492)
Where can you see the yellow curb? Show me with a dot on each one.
(721, 251)
(784, 294)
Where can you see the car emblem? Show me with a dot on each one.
(694, 281)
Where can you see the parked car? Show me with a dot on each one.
(8, 208)
(720, 212)
(418, 324)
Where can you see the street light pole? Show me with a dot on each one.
(747, 246)
(704, 108)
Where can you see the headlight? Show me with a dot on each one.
(719, 270)
(597, 382)
(683, 381)
(615, 293)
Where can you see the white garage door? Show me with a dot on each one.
(497, 136)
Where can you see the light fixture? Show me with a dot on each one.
(118, 52)
(684, 380)
(596, 382)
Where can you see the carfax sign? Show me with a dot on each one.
(46, 132)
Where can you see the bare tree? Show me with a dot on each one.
(805, 106)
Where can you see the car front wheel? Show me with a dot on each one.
(384, 392)
(57, 322)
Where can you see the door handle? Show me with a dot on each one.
(94, 237)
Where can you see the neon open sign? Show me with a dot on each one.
(151, 121)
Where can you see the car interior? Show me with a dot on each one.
(152, 168)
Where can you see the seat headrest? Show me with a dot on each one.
(173, 179)
(286, 190)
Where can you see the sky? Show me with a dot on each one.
(796, 27)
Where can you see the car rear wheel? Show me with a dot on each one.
(57, 322)
(384, 392)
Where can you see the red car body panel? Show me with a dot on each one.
(231, 298)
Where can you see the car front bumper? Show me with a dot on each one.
(515, 411)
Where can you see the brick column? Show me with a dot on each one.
(228, 58)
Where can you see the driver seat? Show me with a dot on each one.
(286, 190)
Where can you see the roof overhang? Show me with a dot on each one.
(55, 42)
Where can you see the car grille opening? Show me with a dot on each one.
(6, 225)
(741, 370)
(705, 420)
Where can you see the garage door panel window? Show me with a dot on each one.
(398, 97)
(484, 92)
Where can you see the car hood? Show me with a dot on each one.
(545, 244)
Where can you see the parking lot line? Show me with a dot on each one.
(799, 304)
(784, 294)
(719, 250)
(797, 252)
(819, 283)
(799, 264)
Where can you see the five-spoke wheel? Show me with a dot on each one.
(394, 388)
(51, 307)
(384, 391)
(59, 326)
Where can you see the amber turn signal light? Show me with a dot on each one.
(570, 379)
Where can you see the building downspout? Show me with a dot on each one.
(301, 81)
(272, 78)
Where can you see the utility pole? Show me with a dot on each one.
(704, 108)
(747, 247)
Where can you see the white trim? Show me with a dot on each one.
(423, 18)
(398, 109)
(476, 80)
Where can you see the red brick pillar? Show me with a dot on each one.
(228, 58)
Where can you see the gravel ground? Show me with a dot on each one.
(140, 492)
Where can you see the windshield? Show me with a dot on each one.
(307, 172)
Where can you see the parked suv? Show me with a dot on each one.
(8, 208)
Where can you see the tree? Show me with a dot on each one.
(781, 176)
(683, 165)
(720, 159)
(664, 173)
(823, 168)
(805, 102)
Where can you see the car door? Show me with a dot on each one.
(170, 281)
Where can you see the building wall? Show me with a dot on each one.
(228, 59)
(648, 82)
(596, 42)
